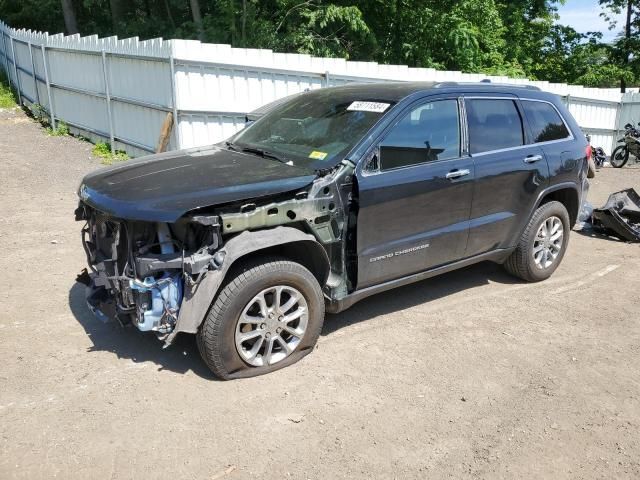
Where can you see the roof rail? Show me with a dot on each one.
(484, 83)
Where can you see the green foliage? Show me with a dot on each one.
(624, 58)
(61, 130)
(517, 38)
(39, 113)
(606, 76)
(45, 15)
(103, 150)
(8, 98)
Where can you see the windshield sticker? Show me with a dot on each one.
(375, 107)
(318, 155)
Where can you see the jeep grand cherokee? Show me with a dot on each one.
(330, 196)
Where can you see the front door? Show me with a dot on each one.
(414, 204)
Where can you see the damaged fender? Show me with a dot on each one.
(198, 297)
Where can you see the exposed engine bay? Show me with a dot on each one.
(139, 268)
(141, 272)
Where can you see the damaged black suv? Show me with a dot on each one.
(328, 197)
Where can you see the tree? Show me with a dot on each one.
(69, 12)
(197, 17)
(118, 9)
(607, 75)
(244, 23)
(564, 55)
(518, 38)
(628, 44)
(44, 15)
(530, 23)
(322, 30)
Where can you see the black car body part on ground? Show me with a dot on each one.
(620, 216)
(323, 200)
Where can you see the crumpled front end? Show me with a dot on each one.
(162, 276)
(139, 270)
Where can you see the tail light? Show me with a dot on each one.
(588, 151)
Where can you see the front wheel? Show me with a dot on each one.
(542, 245)
(269, 315)
(620, 156)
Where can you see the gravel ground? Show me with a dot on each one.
(469, 375)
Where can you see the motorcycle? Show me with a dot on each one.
(631, 140)
(595, 158)
(599, 157)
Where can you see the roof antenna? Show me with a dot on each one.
(485, 80)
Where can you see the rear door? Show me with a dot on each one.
(510, 171)
(551, 133)
(415, 196)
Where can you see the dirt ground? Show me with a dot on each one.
(469, 375)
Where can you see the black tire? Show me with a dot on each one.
(521, 263)
(620, 157)
(216, 337)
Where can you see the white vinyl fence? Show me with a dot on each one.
(120, 91)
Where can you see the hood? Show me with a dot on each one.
(163, 187)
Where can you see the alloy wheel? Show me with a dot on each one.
(271, 325)
(548, 242)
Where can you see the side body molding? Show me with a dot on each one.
(198, 298)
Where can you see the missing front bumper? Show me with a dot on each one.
(620, 216)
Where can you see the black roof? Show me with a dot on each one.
(389, 91)
(394, 92)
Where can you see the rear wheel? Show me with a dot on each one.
(542, 245)
(268, 316)
(620, 156)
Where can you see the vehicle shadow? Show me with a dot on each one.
(183, 355)
(591, 232)
(134, 345)
(417, 293)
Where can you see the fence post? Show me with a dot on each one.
(326, 79)
(46, 79)
(6, 57)
(174, 96)
(33, 72)
(616, 127)
(15, 69)
(107, 92)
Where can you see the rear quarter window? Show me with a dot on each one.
(545, 122)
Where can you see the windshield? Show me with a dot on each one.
(314, 129)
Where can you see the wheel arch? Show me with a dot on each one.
(286, 242)
(565, 193)
(308, 253)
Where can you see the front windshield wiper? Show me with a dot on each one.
(264, 154)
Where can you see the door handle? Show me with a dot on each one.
(532, 158)
(453, 174)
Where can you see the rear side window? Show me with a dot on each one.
(493, 125)
(546, 124)
(427, 133)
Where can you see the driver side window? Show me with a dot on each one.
(427, 133)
